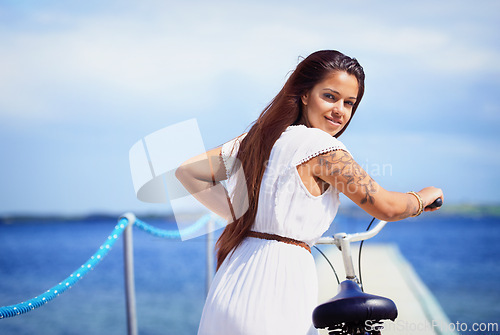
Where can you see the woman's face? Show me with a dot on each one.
(328, 106)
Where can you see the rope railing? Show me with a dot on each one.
(173, 233)
(76, 276)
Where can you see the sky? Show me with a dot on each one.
(81, 82)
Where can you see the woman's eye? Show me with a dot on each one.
(329, 96)
(350, 103)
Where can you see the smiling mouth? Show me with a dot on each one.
(334, 122)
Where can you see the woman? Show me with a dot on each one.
(284, 197)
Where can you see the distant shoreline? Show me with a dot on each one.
(53, 218)
(466, 210)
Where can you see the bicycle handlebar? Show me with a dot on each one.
(367, 234)
(437, 203)
(343, 242)
(353, 237)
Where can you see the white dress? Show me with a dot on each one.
(270, 287)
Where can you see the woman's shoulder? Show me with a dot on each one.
(231, 147)
(229, 151)
(308, 136)
(309, 142)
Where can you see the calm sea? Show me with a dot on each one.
(456, 256)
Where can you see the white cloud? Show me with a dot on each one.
(132, 58)
(157, 53)
(178, 56)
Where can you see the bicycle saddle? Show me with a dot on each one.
(353, 305)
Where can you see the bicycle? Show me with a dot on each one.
(353, 311)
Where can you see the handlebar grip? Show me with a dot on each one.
(437, 203)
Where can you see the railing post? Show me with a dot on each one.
(210, 254)
(128, 258)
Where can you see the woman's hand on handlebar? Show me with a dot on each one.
(429, 195)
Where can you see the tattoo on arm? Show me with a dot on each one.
(340, 164)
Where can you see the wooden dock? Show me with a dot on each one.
(387, 273)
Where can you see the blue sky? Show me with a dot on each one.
(80, 83)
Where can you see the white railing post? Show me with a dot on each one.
(128, 258)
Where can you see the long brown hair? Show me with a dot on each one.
(284, 110)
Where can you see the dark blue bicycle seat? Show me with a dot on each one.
(353, 305)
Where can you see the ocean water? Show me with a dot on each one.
(456, 256)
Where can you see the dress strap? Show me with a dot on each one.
(267, 236)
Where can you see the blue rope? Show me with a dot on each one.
(29, 305)
(173, 233)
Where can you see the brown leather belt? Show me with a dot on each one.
(274, 237)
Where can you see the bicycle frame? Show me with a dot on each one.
(349, 311)
(343, 242)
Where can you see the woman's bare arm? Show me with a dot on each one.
(201, 176)
(340, 170)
